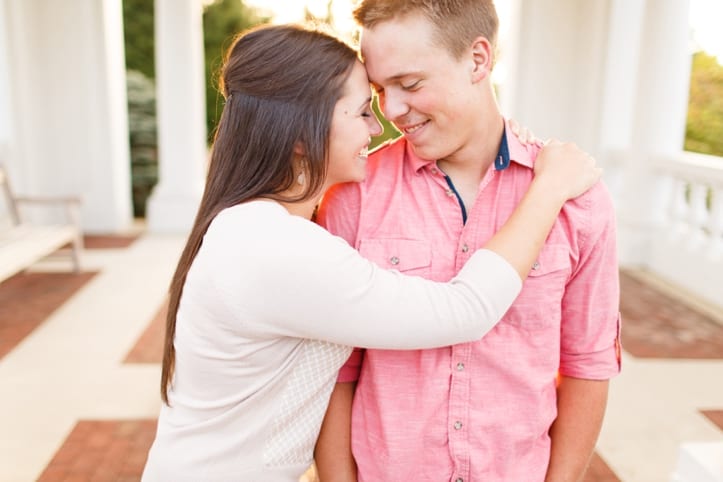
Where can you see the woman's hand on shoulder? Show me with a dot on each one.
(566, 169)
(524, 134)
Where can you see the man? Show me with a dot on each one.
(526, 402)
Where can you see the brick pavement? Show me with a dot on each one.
(658, 326)
(102, 451)
(27, 299)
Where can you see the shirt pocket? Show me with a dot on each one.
(410, 256)
(539, 304)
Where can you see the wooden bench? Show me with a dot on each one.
(22, 242)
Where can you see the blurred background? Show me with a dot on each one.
(115, 102)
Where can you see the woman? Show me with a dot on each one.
(264, 304)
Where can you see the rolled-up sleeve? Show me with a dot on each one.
(590, 329)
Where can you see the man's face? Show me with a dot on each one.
(423, 90)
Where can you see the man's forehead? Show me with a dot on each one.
(386, 63)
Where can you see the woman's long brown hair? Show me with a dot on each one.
(281, 84)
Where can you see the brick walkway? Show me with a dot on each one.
(114, 449)
(108, 450)
(657, 326)
(26, 300)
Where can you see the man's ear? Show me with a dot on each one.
(482, 59)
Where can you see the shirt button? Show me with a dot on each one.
(434, 170)
(394, 260)
(465, 248)
(457, 425)
(459, 479)
(450, 193)
(460, 366)
(536, 265)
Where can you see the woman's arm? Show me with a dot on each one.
(317, 286)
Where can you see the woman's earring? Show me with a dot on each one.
(301, 179)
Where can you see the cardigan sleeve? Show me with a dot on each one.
(311, 284)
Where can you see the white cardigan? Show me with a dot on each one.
(270, 308)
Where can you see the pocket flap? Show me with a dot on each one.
(399, 254)
(552, 258)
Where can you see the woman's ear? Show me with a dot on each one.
(482, 59)
(299, 149)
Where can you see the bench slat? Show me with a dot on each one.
(22, 245)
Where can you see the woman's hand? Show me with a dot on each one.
(566, 169)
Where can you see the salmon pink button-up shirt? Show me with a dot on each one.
(476, 411)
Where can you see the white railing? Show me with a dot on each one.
(696, 204)
(689, 250)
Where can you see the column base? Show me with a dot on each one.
(172, 213)
(700, 462)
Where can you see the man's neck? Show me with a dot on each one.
(469, 164)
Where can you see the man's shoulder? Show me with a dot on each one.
(595, 198)
(593, 212)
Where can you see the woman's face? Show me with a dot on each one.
(352, 125)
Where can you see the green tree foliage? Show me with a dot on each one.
(389, 132)
(143, 138)
(138, 33)
(140, 72)
(222, 21)
(704, 130)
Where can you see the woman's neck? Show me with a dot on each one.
(305, 209)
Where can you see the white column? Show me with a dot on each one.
(617, 103)
(69, 107)
(553, 67)
(699, 462)
(625, 30)
(658, 130)
(181, 115)
(5, 112)
(117, 182)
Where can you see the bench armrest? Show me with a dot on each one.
(47, 199)
(71, 203)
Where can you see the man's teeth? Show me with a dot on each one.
(409, 130)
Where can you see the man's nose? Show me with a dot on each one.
(375, 127)
(393, 106)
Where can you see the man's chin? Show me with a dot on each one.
(424, 151)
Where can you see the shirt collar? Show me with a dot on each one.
(502, 160)
(516, 151)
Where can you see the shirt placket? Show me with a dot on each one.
(460, 376)
(458, 417)
(451, 196)
(460, 355)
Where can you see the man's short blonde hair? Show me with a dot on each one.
(457, 22)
